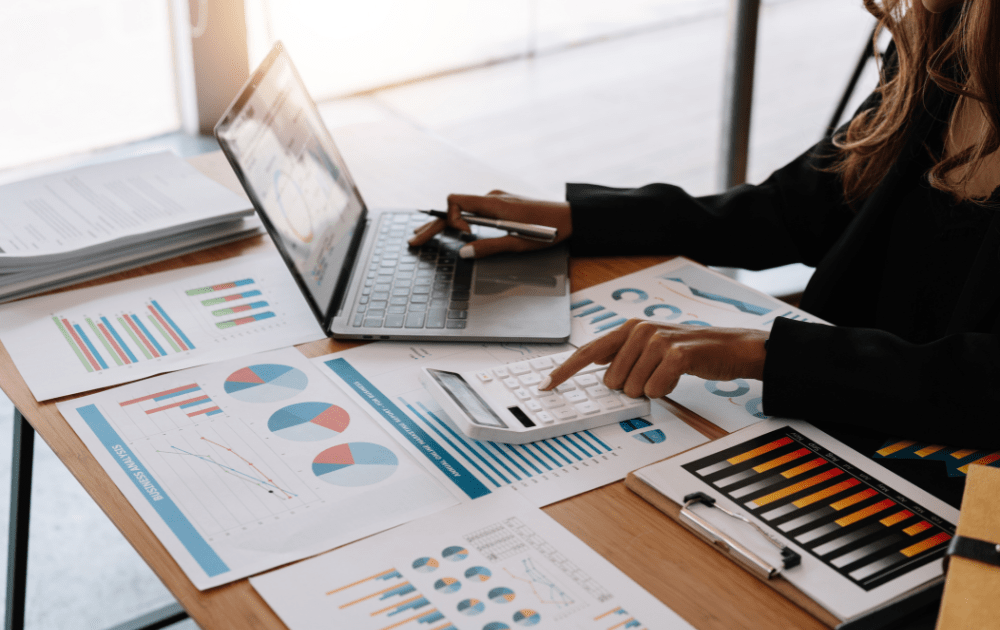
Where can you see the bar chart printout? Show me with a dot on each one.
(853, 523)
(103, 342)
(219, 298)
(516, 568)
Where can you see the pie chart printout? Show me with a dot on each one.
(266, 383)
(447, 585)
(728, 389)
(355, 464)
(527, 618)
(501, 595)
(479, 573)
(455, 554)
(425, 565)
(309, 421)
(471, 607)
(496, 625)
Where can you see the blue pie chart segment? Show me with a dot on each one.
(355, 464)
(309, 421)
(425, 565)
(630, 295)
(501, 595)
(527, 618)
(478, 573)
(455, 554)
(447, 585)
(670, 311)
(496, 625)
(471, 607)
(696, 322)
(728, 389)
(265, 383)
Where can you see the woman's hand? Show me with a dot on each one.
(499, 205)
(649, 358)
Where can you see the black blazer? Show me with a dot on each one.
(854, 373)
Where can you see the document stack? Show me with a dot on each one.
(65, 228)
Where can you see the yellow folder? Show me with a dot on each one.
(972, 589)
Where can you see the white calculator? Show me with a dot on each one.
(503, 403)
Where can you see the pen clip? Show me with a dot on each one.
(715, 536)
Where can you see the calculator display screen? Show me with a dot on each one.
(467, 398)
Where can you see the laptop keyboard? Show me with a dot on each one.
(406, 287)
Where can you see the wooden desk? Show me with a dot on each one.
(683, 572)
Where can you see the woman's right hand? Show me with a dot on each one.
(499, 205)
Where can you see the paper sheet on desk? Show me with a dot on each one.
(123, 331)
(383, 378)
(242, 466)
(864, 534)
(107, 206)
(680, 291)
(495, 565)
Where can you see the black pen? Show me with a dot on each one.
(528, 231)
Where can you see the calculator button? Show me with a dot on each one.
(559, 359)
(611, 402)
(518, 368)
(501, 372)
(565, 387)
(564, 414)
(588, 407)
(550, 402)
(485, 377)
(541, 363)
(522, 394)
(511, 382)
(586, 380)
(545, 417)
(600, 375)
(598, 391)
(575, 396)
(530, 379)
(533, 405)
(538, 393)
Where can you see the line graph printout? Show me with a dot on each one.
(123, 331)
(681, 291)
(227, 493)
(498, 563)
(383, 377)
(865, 535)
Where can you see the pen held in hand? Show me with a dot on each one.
(529, 231)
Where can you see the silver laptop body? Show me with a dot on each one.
(351, 262)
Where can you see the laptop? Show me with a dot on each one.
(352, 262)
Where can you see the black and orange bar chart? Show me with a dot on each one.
(957, 460)
(850, 521)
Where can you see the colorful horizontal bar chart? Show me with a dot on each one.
(847, 519)
(188, 399)
(225, 286)
(232, 310)
(249, 319)
(957, 460)
(230, 298)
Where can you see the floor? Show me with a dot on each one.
(621, 112)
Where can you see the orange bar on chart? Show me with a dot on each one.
(792, 489)
(913, 530)
(854, 499)
(864, 513)
(924, 545)
(893, 448)
(898, 517)
(826, 492)
(806, 467)
(784, 459)
(928, 450)
(760, 450)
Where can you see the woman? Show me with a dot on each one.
(897, 213)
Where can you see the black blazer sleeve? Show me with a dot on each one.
(794, 216)
(943, 392)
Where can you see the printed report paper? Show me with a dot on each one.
(498, 564)
(680, 291)
(122, 331)
(383, 378)
(248, 464)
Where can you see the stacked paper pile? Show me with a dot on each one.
(65, 228)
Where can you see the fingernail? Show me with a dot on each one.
(545, 383)
(467, 251)
(410, 242)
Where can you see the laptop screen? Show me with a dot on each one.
(280, 148)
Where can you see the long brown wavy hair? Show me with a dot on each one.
(960, 54)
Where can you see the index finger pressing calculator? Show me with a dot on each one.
(504, 404)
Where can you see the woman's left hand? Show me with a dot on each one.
(648, 358)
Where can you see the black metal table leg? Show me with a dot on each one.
(20, 513)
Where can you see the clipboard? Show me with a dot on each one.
(973, 577)
(761, 569)
(771, 575)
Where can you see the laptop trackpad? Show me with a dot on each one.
(535, 273)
